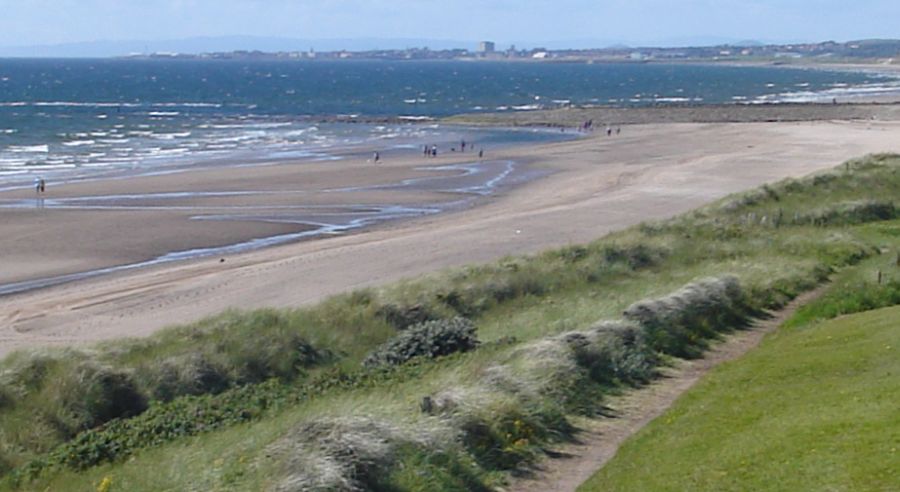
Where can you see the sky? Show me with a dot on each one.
(576, 22)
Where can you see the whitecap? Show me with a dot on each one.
(29, 148)
(79, 143)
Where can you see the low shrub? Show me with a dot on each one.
(7, 397)
(191, 374)
(402, 317)
(636, 256)
(679, 324)
(849, 213)
(87, 395)
(848, 299)
(249, 348)
(429, 339)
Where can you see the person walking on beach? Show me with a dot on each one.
(376, 157)
(462, 145)
(480, 153)
(43, 185)
(37, 185)
(434, 151)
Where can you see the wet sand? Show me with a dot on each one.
(86, 226)
(591, 187)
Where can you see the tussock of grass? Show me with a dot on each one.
(680, 324)
(349, 454)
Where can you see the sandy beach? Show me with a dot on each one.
(589, 187)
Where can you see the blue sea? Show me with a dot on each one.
(71, 119)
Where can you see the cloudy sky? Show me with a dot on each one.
(38, 22)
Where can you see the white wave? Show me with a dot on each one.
(167, 152)
(186, 105)
(163, 113)
(47, 167)
(79, 143)
(170, 136)
(76, 104)
(8, 131)
(29, 148)
(672, 99)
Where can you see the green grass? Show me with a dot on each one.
(814, 408)
(256, 375)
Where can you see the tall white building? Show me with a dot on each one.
(486, 47)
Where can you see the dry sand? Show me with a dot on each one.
(597, 185)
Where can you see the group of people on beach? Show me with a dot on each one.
(588, 126)
(432, 151)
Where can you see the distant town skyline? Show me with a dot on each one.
(556, 24)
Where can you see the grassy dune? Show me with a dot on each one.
(814, 408)
(283, 400)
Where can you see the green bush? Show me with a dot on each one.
(429, 339)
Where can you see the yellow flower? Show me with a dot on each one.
(105, 484)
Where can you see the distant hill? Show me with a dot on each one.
(224, 44)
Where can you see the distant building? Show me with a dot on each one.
(486, 47)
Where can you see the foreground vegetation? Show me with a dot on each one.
(442, 383)
(814, 408)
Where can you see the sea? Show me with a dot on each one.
(82, 119)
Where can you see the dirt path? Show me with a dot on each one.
(600, 439)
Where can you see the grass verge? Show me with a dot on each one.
(814, 408)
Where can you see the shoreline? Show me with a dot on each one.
(594, 186)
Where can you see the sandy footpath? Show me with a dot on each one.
(597, 185)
